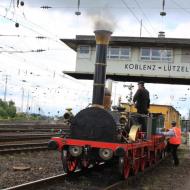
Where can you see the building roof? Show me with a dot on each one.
(129, 41)
(159, 105)
(129, 78)
(167, 106)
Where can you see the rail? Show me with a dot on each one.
(37, 183)
(15, 148)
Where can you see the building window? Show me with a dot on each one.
(185, 55)
(84, 51)
(119, 52)
(156, 54)
(145, 54)
(113, 53)
(125, 53)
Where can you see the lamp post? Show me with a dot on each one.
(155, 97)
(115, 90)
(48, 117)
(22, 95)
(22, 99)
(130, 87)
(5, 91)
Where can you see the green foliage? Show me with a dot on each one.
(29, 117)
(8, 112)
(3, 113)
(7, 109)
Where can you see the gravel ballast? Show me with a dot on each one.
(39, 165)
(25, 167)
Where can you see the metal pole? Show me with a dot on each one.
(22, 99)
(5, 92)
(115, 94)
(140, 28)
(27, 105)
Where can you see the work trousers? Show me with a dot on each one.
(173, 149)
(142, 122)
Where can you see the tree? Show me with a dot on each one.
(3, 113)
(7, 109)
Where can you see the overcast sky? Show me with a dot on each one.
(35, 78)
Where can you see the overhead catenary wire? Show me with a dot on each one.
(60, 75)
(48, 71)
(57, 40)
(22, 51)
(133, 13)
(54, 88)
(51, 36)
(99, 7)
(146, 17)
(182, 8)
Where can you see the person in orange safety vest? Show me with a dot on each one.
(174, 141)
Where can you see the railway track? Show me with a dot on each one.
(32, 124)
(9, 135)
(31, 127)
(58, 181)
(7, 130)
(38, 183)
(24, 137)
(29, 136)
(132, 179)
(45, 183)
(15, 148)
(162, 171)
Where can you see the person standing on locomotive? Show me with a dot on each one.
(174, 141)
(141, 100)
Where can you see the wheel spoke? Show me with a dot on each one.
(84, 163)
(126, 168)
(136, 165)
(69, 162)
(143, 162)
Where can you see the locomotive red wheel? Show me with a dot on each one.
(143, 163)
(158, 156)
(150, 162)
(152, 159)
(136, 166)
(84, 163)
(163, 154)
(69, 162)
(124, 167)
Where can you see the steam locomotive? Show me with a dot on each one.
(100, 134)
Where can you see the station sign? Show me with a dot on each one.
(170, 70)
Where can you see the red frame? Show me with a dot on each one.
(153, 144)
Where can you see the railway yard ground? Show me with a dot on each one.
(24, 167)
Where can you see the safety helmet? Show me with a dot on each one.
(173, 123)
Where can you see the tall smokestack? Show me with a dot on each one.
(102, 41)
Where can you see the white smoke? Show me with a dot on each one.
(102, 20)
(102, 23)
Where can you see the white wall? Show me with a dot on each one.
(137, 67)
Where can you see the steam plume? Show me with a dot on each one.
(103, 20)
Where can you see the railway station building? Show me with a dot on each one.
(155, 60)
